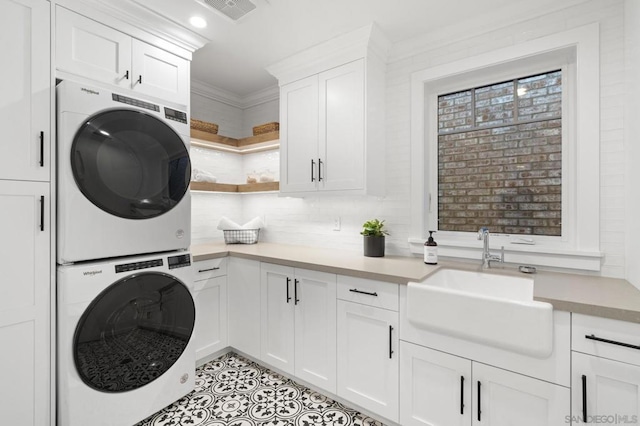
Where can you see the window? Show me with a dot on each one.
(570, 175)
(500, 157)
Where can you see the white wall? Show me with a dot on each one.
(227, 117)
(632, 139)
(310, 221)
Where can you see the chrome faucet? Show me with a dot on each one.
(487, 257)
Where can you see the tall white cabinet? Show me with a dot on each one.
(298, 333)
(25, 200)
(26, 90)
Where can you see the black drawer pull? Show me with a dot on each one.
(140, 79)
(126, 75)
(313, 165)
(584, 398)
(207, 270)
(390, 342)
(479, 401)
(41, 149)
(319, 170)
(355, 290)
(295, 291)
(461, 394)
(42, 213)
(613, 342)
(288, 297)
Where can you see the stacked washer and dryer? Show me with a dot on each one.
(125, 312)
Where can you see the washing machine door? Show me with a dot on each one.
(130, 164)
(133, 332)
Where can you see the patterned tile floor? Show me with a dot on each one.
(233, 391)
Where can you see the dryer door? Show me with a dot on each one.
(130, 164)
(133, 332)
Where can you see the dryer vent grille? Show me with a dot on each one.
(234, 9)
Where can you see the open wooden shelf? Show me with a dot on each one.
(229, 187)
(240, 146)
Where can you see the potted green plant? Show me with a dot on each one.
(373, 233)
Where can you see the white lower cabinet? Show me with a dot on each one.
(435, 387)
(439, 389)
(243, 280)
(604, 391)
(368, 357)
(210, 296)
(25, 315)
(298, 326)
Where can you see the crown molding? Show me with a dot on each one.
(361, 43)
(138, 17)
(229, 98)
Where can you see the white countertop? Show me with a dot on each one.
(600, 296)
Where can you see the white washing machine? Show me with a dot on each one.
(123, 175)
(125, 346)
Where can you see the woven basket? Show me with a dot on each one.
(241, 236)
(204, 126)
(266, 128)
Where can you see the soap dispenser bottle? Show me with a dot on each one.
(431, 250)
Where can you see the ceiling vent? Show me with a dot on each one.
(234, 9)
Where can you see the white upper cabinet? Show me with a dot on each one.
(26, 90)
(332, 116)
(97, 52)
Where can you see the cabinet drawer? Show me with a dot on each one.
(607, 338)
(368, 292)
(210, 268)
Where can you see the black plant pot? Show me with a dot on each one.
(373, 246)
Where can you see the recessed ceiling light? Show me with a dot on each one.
(198, 22)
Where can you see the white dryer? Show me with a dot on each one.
(125, 346)
(123, 175)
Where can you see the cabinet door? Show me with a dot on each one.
(26, 90)
(278, 304)
(243, 277)
(602, 387)
(341, 128)
(435, 388)
(503, 398)
(91, 50)
(24, 303)
(211, 316)
(299, 160)
(159, 73)
(315, 324)
(368, 361)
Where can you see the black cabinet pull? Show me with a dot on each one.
(207, 270)
(479, 400)
(288, 297)
(319, 170)
(41, 149)
(140, 79)
(612, 342)
(461, 394)
(390, 342)
(42, 213)
(355, 290)
(584, 398)
(126, 75)
(313, 165)
(295, 291)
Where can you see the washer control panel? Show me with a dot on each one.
(180, 261)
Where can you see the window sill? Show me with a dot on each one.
(538, 255)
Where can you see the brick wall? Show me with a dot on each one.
(499, 157)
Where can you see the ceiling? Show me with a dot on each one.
(235, 58)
